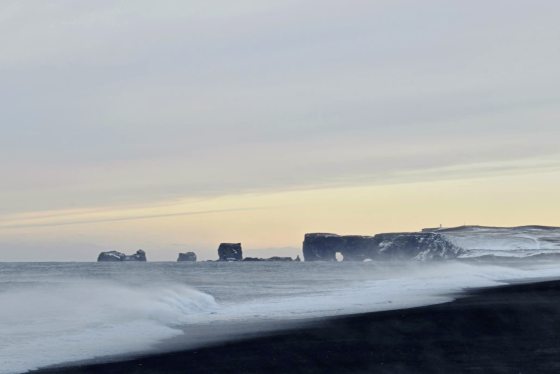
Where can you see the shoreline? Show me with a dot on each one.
(503, 329)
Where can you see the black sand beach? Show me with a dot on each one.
(509, 329)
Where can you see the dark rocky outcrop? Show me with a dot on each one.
(115, 256)
(253, 259)
(419, 246)
(111, 256)
(278, 258)
(322, 246)
(274, 259)
(230, 252)
(358, 248)
(187, 257)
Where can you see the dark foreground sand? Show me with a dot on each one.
(510, 329)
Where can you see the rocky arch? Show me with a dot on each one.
(427, 245)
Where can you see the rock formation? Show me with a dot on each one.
(281, 259)
(322, 246)
(187, 257)
(420, 246)
(274, 259)
(230, 252)
(532, 237)
(113, 256)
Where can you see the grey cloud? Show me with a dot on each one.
(113, 102)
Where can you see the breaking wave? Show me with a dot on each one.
(61, 322)
(46, 320)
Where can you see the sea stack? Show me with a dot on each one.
(187, 257)
(230, 252)
(115, 256)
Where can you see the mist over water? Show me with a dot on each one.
(60, 312)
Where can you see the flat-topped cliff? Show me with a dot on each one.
(518, 241)
(436, 244)
(415, 245)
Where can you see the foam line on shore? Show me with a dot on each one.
(498, 329)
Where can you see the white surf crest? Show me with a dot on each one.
(70, 321)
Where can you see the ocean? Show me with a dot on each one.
(57, 313)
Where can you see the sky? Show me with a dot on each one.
(176, 125)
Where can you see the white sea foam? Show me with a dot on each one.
(508, 239)
(52, 323)
(47, 320)
(408, 287)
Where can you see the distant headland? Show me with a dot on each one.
(428, 244)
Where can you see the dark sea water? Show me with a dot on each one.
(52, 313)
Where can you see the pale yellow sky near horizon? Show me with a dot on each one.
(274, 222)
(176, 125)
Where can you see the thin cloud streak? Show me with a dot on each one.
(123, 219)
